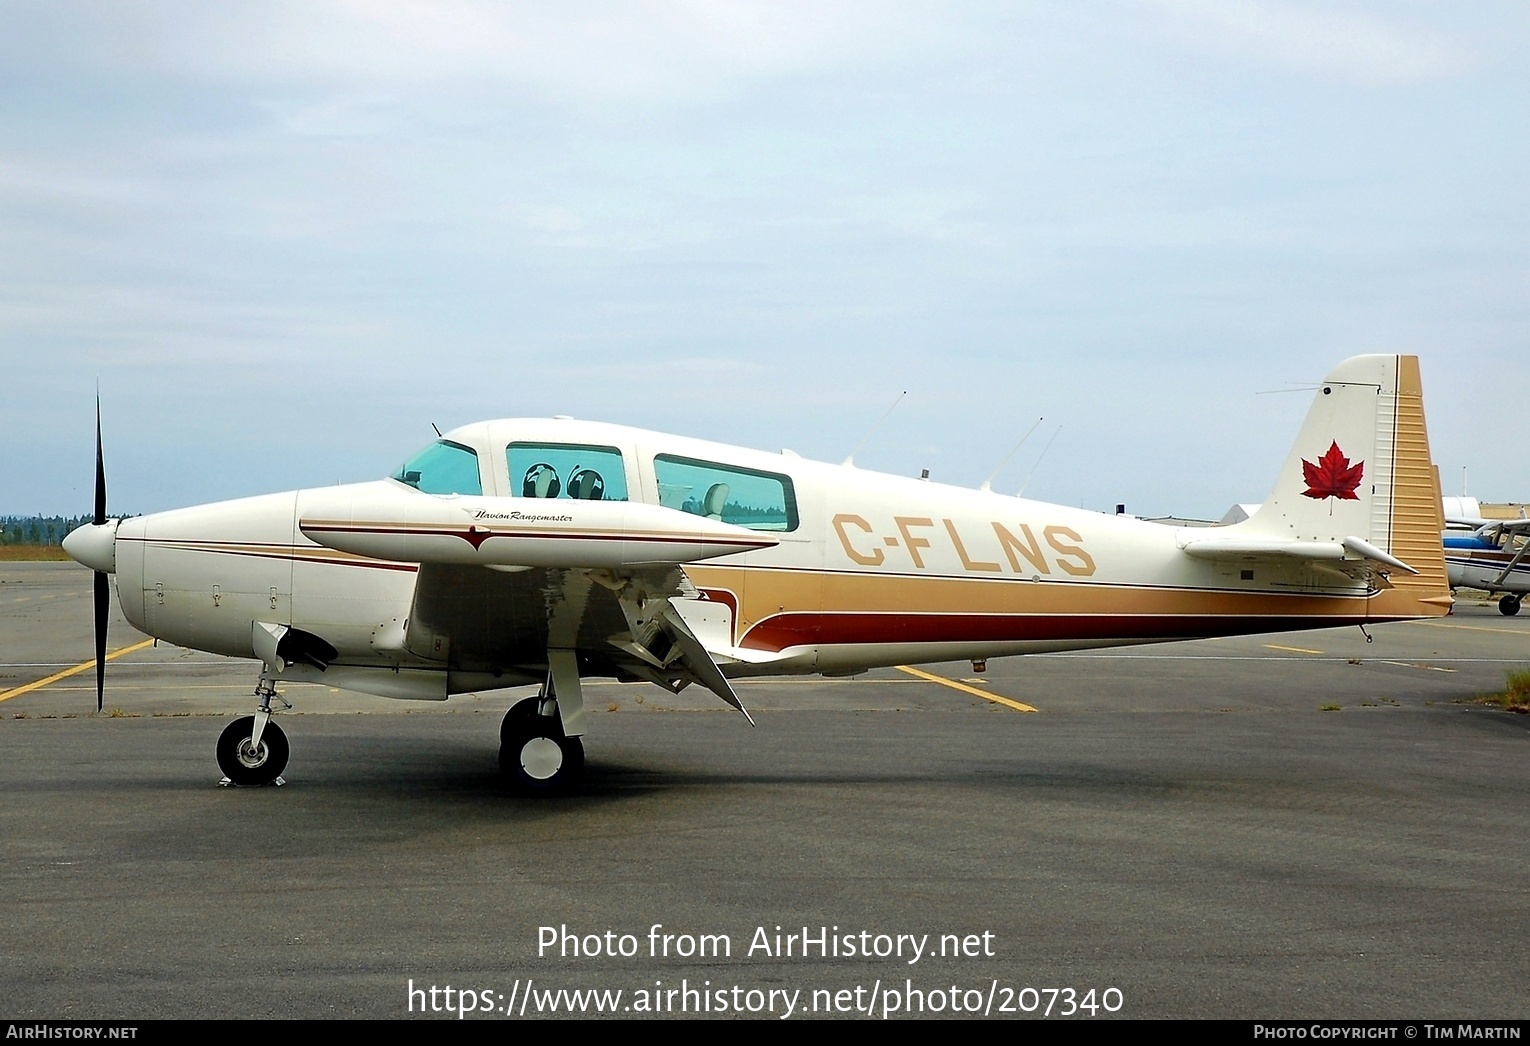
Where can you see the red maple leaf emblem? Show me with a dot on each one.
(1333, 476)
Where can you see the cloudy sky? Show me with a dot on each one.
(287, 237)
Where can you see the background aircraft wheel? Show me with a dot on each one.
(244, 764)
(1508, 606)
(524, 716)
(537, 763)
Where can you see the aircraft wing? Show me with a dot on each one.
(1351, 557)
(1507, 526)
(509, 588)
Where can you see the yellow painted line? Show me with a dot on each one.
(66, 673)
(1291, 649)
(158, 688)
(964, 688)
(1474, 628)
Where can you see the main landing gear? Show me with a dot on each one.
(537, 753)
(253, 750)
(1508, 606)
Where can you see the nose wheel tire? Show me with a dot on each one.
(539, 760)
(244, 763)
(1508, 606)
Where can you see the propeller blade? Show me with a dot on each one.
(100, 516)
(103, 603)
(102, 591)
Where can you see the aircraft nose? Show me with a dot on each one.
(94, 545)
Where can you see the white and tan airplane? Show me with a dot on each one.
(545, 551)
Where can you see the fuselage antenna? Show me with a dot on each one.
(1021, 492)
(988, 483)
(849, 462)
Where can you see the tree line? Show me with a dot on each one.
(37, 530)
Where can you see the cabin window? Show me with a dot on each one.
(442, 468)
(566, 470)
(743, 497)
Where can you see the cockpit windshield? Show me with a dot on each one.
(443, 467)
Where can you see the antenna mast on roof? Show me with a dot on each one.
(850, 461)
(988, 483)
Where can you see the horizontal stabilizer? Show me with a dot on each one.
(1253, 547)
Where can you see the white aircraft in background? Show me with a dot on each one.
(1488, 554)
(547, 551)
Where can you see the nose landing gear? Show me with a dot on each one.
(252, 750)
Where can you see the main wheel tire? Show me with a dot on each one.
(1508, 606)
(539, 763)
(244, 764)
(523, 716)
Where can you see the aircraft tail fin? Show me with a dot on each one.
(1361, 469)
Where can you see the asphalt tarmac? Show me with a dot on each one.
(1296, 826)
